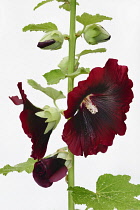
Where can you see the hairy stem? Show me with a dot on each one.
(72, 44)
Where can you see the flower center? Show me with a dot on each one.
(89, 105)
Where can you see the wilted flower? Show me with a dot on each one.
(52, 40)
(96, 108)
(95, 34)
(32, 125)
(49, 170)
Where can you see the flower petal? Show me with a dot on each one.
(16, 100)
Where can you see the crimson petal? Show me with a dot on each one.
(32, 125)
(101, 102)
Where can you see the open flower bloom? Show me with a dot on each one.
(97, 108)
(32, 125)
(49, 170)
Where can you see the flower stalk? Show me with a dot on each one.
(72, 46)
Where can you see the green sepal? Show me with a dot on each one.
(111, 192)
(52, 115)
(85, 52)
(50, 126)
(26, 166)
(66, 156)
(54, 76)
(87, 19)
(45, 27)
(42, 3)
(49, 91)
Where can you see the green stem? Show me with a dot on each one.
(72, 45)
(72, 41)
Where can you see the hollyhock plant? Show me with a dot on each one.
(49, 170)
(96, 108)
(96, 112)
(32, 125)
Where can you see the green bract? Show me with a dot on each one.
(52, 40)
(52, 115)
(95, 34)
(63, 65)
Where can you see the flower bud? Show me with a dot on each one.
(52, 40)
(49, 170)
(95, 34)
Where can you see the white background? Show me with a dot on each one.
(22, 60)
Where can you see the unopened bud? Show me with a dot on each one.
(95, 34)
(52, 40)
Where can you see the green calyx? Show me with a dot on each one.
(52, 115)
(95, 34)
(66, 156)
(52, 40)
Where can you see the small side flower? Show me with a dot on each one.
(33, 126)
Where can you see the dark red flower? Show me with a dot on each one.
(49, 170)
(32, 125)
(96, 108)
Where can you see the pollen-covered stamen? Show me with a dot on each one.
(89, 105)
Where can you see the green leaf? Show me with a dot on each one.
(111, 192)
(54, 94)
(26, 166)
(51, 92)
(46, 27)
(42, 3)
(65, 6)
(54, 76)
(84, 52)
(87, 19)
